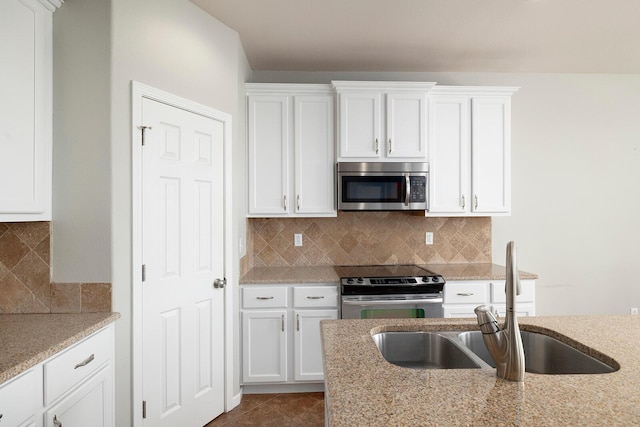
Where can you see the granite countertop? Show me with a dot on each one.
(28, 339)
(361, 388)
(329, 274)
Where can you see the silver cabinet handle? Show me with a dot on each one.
(283, 323)
(219, 283)
(285, 202)
(85, 362)
(464, 203)
(390, 146)
(377, 150)
(311, 297)
(476, 201)
(465, 294)
(298, 201)
(263, 298)
(297, 322)
(56, 423)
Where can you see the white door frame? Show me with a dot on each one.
(138, 92)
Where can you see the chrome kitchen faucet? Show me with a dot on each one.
(505, 345)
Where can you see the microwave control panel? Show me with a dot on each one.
(418, 188)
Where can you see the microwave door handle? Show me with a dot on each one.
(407, 191)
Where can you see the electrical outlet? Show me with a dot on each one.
(634, 310)
(428, 238)
(297, 239)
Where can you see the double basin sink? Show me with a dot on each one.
(466, 350)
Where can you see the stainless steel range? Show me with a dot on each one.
(389, 291)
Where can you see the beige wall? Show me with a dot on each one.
(575, 174)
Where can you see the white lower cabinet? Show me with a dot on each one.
(463, 296)
(88, 404)
(281, 332)
(307, 349)
(18, 399)
(73, 388)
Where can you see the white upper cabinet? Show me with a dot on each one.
(470, 151)
(382, 121)
(291, 150)
(26, 109)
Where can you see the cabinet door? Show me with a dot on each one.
(314, 160)
(20, 397)
(461, 311)
(406, 125)
(360, 125)
(491, 154)
(90, 404)
(268, 155)
(308, 345)
(264, 339)
(25, 111)
(449, 149)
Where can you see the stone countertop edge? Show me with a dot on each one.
(28, 339)
(361, 388)
(328, 274)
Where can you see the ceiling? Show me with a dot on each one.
(541, 36)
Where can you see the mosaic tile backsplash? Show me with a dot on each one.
(364, 238)
(25, 276)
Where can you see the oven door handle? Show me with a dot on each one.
(393, 302)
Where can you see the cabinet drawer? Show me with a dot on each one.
(315, 296)
(527, 291)
(76, 363)
(264, 296)
(471, 292)
(18, 399)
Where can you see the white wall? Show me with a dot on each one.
(100, 47)
(576, 169)
(81, 226)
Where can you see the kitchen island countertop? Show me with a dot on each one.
(362, 389)
(328, 273)
(28, 339)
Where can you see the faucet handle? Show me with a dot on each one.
(486, 320)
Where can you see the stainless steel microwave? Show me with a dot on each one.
(376, 186)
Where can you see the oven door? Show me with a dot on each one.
(391, 306)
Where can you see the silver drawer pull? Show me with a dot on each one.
(85, 362)
(263, 298)
(56, 423)
(465, 294)
(310, 297)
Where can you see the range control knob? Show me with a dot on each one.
(436, 279)
(425, 279)
(349, 280)
(360, 280)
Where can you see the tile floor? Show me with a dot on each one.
(282, 410)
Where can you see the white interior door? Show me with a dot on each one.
(182, 251)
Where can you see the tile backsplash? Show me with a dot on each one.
(25, 276)
(361, 238)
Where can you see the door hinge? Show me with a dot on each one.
(144, 409)
(144, 131)
(144, 272)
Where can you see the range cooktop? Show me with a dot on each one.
(384, 278)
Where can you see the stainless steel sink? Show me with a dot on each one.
(543, 355)
(423, 350)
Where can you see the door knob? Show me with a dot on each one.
(219, 283)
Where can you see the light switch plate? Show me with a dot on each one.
(297, 239)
